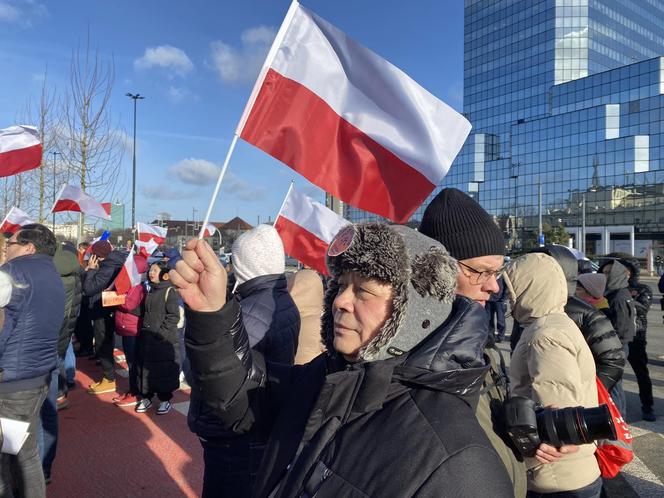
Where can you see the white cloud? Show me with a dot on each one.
(21, 12)
(164, 192)
(196, 171)
(242, 189)
(9, 13)
(242, 64)
(166, 57)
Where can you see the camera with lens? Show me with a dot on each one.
(529, 425)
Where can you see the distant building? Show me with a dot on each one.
(179, 231)
(117, 221)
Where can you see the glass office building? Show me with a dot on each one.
(566, 98)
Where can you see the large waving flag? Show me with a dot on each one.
(129, 275)
(73, 198)
(147, 233)
(146, 249)
(306, 228)
(349, 121)
(14, 220)
(20, 149)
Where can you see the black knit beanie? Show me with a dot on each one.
(462, 226)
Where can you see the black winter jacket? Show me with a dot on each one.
(642, 295)
(96, 281)
(622, 311)
(270, 317)
(66, 262)
(399, 427)
(158, 341)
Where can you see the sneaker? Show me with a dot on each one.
(61, 403)
(143, 405)
(127, 399)
(648, 415)
(164, 407)
(101, 387)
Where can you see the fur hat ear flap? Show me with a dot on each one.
(434, 274)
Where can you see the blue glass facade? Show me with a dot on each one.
(566, 96)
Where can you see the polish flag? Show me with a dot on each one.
(73, 198)
(14, 220)
(349, 121)
(129, 275)
(210, 230)
(20, 149)
(107, 207)
(306, 228)
(146, 248)
(151, 232)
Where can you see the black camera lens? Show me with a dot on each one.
(575, 425)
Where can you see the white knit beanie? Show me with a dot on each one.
(258, 252)
(5, 289)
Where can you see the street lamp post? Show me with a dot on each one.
(55, 155)
(134, 97)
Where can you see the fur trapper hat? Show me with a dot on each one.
(420, 270)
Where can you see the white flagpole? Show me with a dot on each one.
(285, 199)
(57, 198)
(218, 186)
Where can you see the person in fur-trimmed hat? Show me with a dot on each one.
(388, 409)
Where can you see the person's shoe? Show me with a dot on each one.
(648, 415)
(164, 407)
(127, 399)
(143, 405)
(101, 387)
(61, 403)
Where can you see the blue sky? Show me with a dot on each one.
(196, 61)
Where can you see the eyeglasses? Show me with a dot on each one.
(477, 277)
(11, 243)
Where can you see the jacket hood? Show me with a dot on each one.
(617, 278)
(537, 287)
(567, 262)
(420, 270)
(66, 261)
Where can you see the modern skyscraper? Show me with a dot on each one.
(566, 97)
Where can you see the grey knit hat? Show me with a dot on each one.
(420, 270)
(594, 283)
(462, 226)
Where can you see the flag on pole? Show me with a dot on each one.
(73, 198)
(107, 207)
(146, 248)
(129, 275)
(210, 230)
(20, 149)
(151, 232)
(14, 220)
(306, 228)
(349, 121)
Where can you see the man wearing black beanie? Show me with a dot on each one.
(473, 238)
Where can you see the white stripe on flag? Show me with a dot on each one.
(312, 216)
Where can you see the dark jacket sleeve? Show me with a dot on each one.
(605, 346)
(623, 313)
(170, 324)
(95, 281)
(458, 476)
(222, 364)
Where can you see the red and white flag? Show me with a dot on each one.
(129, 275)
(20, 149)
(306, 228)
(14, 220)
(146, 248)
(151, 232)
(73, 198)
(349, 121)
(210, 230)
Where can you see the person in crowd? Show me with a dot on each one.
(158, 351)
(495, 308)
(66, 263)
(84, 332)
(400, 351)
(272, 322)
(659, 265)
(103, 267)
(128, 324)
(604, 343)
(637, 355)
(622, 313)
(28, 349)
(306, 288)
(590, 288)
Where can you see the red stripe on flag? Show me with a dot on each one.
(302, 244)
(66, 205)
(8, 227)
(123, 281)
(20, 160)
(294, 125)
(148, 236)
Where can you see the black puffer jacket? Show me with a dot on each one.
(96, 281)
(642, 295)
(337, 428)
(596, 328)
(71, 274)
(158, 341)
(622, 311)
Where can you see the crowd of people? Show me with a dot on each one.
(383, 378)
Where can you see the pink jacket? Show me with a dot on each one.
(126, 323)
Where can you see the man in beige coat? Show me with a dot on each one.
(552, 365)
